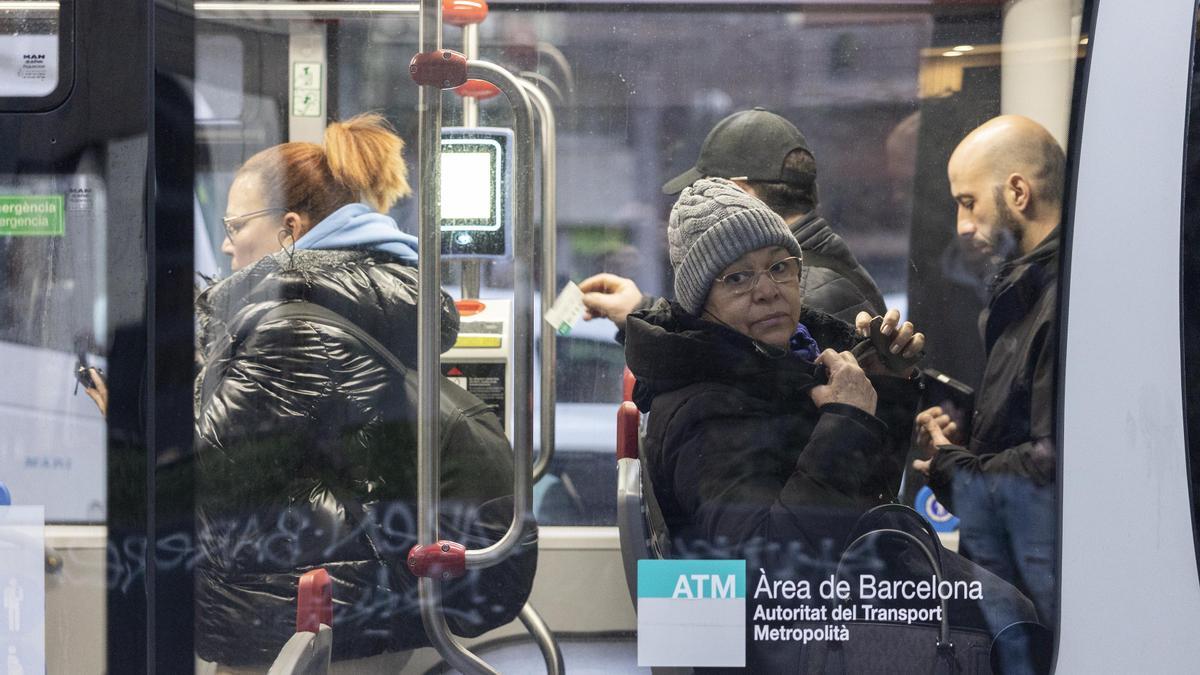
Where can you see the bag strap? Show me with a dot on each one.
(302, 310)
(944, 643)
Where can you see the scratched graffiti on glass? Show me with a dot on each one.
(292, 539)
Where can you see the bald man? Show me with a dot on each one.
(1007, 179)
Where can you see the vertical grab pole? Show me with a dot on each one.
(432, 560)
(549, 267)
(471, 269)
(429, 305)
(523, 311)
(429, 324)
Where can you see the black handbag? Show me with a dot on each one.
(894, 538)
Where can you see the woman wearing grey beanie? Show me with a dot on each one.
(765, 440)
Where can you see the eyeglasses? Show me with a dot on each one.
(235, 223)
(786, 271)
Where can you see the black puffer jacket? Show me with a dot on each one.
(744, 465)
(834, 281)
(738, 454)
(1012, 430)
(306, 446)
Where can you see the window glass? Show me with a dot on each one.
(52, 317)
(899, 213)
(29, 48)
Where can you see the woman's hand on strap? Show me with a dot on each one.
(847, 384)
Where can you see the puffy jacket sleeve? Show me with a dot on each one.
(726, 472)
(1034, 458)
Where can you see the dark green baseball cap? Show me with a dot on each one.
(747, 145)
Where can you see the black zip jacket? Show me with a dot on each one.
(834, 281)
(306, 457)
(738, 454)
(1012, 431)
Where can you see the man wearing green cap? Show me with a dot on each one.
(769, 158)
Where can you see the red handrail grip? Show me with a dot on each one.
(627, 385)
(439, 560)
(480, 90)
(628, 419)
(464, 12)
(443, 68)
(314, 601)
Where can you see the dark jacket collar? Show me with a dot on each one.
(812, 231)
(1018, 285)
(668, 349)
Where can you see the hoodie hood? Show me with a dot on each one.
(667, 349)
(357, 226)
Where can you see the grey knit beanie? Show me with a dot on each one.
(713, 224)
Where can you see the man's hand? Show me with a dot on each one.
(98, 392)
(934, 429)
(848, 383)
(609, 296)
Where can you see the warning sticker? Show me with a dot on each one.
(28, 64)
(485, 380)
(31, 216)
(306, 89)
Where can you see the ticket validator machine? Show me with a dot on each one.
(476, 224)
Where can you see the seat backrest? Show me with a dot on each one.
(631, 521)
(308, 652)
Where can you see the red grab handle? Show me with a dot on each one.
(443, 68)
(464, 12)
(440, 560)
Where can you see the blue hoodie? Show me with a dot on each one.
(359, 226)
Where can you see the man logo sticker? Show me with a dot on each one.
(691, 613)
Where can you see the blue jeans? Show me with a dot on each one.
(1010, 527)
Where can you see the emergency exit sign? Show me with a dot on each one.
(31, 216)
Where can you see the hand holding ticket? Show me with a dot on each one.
(567, 309)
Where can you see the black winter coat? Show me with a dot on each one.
(306, 447)
(834, 281)
(739, 456)
(745, 466)
(1012, 430)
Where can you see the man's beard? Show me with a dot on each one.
(1007, 230)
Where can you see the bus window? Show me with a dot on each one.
(882, 99)
(36, 54)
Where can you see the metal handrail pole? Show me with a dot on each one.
(469, 285)
(555, 54)
(549, 265)
(544, 82)
(429, 302)
(457, 656)
(429, 322)
(523, 326)
(544, 638)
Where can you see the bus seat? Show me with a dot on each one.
(631, 523)
(308, 651)
(640, 524)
